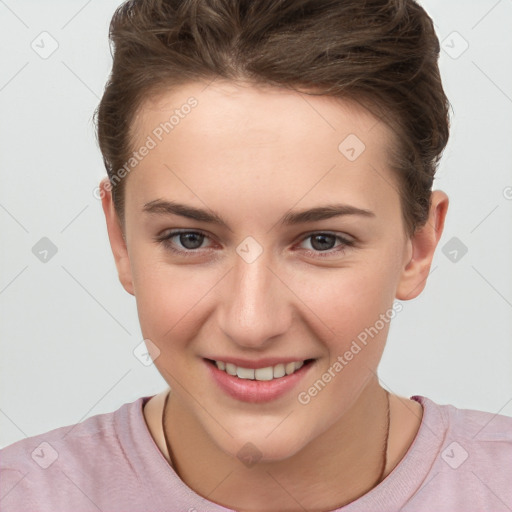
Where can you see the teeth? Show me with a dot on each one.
(289, 368)
(264, 373)
(245, 373)
(279, 371)
(231, 369)
(267, 373)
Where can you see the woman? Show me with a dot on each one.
(269, 203)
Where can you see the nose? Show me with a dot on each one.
(255, 304)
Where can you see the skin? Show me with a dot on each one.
(252, 154)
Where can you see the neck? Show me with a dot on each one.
(339, 466)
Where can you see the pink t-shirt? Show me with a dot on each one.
(460, 461)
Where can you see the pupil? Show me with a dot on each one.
(323, 245)
(187, 240)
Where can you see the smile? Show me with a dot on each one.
(256, 385)
(267, 373)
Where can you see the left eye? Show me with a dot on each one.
(191, 241)
(324, 241)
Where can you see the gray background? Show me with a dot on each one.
(68, 329)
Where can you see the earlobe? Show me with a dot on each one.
(423, 243)
(116, 237)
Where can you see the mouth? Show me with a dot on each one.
(267, 373)
(261, 384)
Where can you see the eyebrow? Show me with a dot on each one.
(329, 211)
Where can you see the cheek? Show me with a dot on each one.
(350, 299)
(165, 295)
(355, 303)
(357, 308)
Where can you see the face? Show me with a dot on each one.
(252, 280)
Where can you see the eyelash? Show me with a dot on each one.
(166, 241)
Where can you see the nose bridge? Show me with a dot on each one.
(254, 307)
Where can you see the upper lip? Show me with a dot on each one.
(259, 363)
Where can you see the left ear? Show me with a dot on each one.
(423, 243)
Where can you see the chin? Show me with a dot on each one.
(257, 447)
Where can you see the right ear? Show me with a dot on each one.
(115, 235)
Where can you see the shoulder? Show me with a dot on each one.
(476, 429)
(46, 448)
(473, 463)
(72, 459)
(480, 437)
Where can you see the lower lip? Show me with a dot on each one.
(256, 391)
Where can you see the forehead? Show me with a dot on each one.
(247, 140)
(267, 113)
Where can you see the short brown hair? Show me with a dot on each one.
(381, 53)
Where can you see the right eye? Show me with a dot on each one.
(190, 241)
